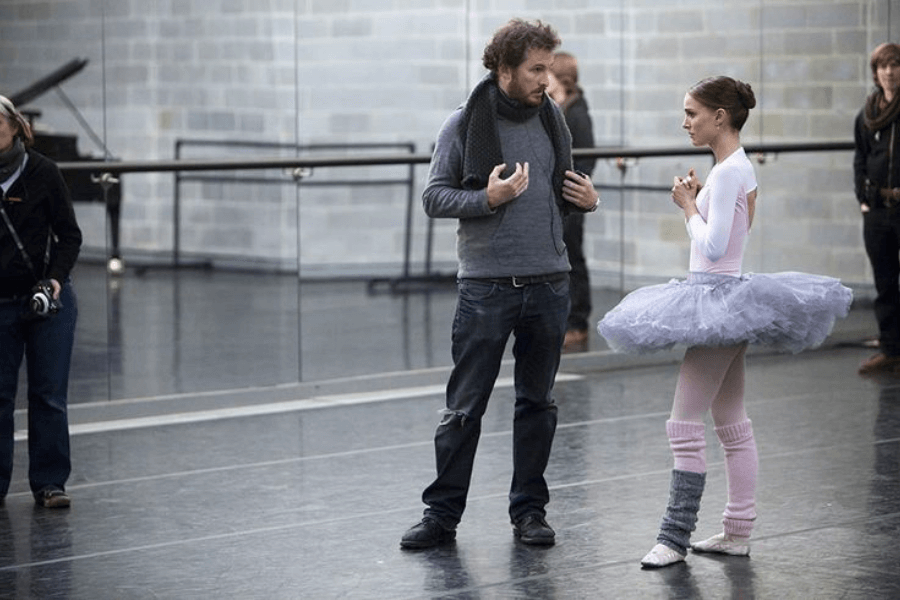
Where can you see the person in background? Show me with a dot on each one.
(716, 312)
(876, 170)
(565, 91)
(39, 244)
(502, 166)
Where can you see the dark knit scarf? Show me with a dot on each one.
(877, 118)
(480, 134)
(11, 159)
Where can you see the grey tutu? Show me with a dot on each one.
(787, 311)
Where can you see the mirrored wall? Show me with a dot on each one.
(236, 277)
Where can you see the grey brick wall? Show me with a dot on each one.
(360, 71)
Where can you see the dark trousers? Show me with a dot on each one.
(46, 345)
(881, 232)
(579, 284)
(486, 314)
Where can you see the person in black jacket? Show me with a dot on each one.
(570, 97)
(39, 244)
(876, 168)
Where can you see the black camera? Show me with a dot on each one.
(42, 302)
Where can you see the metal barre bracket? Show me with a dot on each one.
(106, 180)
(300, 173)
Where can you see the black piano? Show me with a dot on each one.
(64, 148)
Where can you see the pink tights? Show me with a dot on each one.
(713, 379)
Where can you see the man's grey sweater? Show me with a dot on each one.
(522, 237)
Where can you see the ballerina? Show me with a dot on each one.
(716, 312)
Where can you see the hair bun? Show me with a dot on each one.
(745, 93)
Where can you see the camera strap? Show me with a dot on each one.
(18, 241)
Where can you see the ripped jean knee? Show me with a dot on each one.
(454, 418)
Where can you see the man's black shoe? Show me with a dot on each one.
(427, 534)
(52, 497)
(533, 530)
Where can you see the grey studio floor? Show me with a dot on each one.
(229, 445)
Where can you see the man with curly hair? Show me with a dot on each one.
(502, 166)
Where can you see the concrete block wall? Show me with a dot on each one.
(389, 71)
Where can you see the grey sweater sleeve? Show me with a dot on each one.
(444, 196)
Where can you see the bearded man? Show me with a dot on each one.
(502, 166)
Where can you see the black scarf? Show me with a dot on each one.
(481, 138)
(11, 159)
(877, 118)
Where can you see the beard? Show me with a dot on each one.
(517, 91)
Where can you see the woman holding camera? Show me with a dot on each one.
(716, 312)
(39, 243)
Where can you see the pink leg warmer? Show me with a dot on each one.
(688, 443)
(741, 466)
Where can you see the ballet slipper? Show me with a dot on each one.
(661, 556)
(723, 543)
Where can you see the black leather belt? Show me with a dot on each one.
(523, 280)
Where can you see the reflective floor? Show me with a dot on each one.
(200, 473)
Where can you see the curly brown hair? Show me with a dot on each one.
(511, 43)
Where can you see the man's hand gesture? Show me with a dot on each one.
(500, 191)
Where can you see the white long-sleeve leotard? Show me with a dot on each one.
(719, 231)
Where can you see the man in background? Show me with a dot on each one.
(570, 97)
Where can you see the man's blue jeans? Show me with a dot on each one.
(46, 344)
(486, 314)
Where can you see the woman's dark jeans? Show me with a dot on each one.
(881, 232)
(486, 314)
(46, 345)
